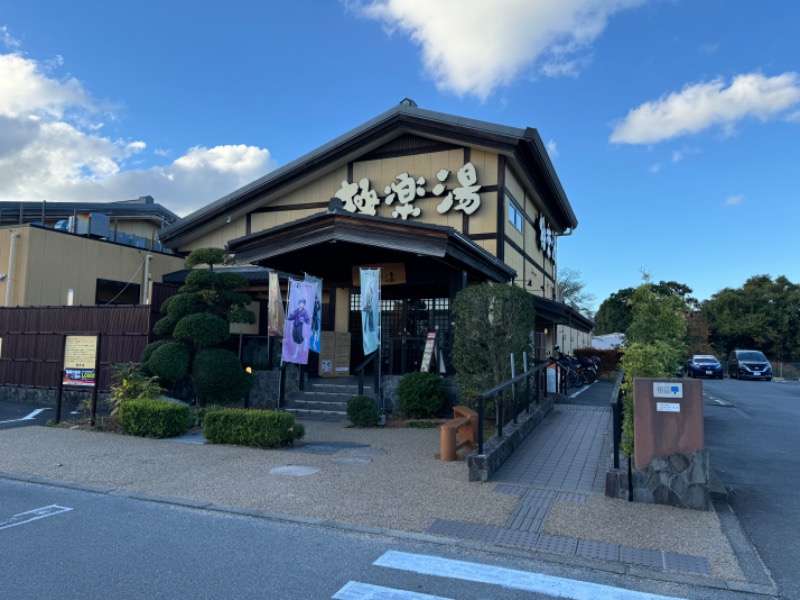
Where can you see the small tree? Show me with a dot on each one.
(572, 291)
(655, 344)
(421, 395)
(129, 383)
(491, 321)
(198, 320)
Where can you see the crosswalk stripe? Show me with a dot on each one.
(557, 587)
(355, 590)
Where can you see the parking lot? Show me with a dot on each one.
(18, 414)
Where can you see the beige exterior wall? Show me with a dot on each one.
(220, 236)
(570, 339)
(145, 229)
(380, 174)
(320, 190)
(533, 265)
(48, 263)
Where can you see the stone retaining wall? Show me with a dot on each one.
(264, 393)
(265, 390)
(28, 395)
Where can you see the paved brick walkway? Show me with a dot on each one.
(564, 459)
(568, 452)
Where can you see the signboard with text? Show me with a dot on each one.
(427, 354)
(80, 360)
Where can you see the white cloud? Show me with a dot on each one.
(475, 46)
(704, 105)
(8, 40)
(552, 148)
(52, 148)
(27, 91)
(734, 200)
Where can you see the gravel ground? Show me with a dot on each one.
(392, 482)
(652, 526)
(403, 487)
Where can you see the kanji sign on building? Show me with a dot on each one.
(404, 190)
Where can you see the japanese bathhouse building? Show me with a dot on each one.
(438, 202)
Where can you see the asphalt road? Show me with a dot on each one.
(66, 543)
(752, 432)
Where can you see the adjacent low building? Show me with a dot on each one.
(82, 253)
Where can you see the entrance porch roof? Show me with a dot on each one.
(329, 244)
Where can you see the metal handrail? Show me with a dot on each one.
(616, 411)
(536, 370)
(360, 371)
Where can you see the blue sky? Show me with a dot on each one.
(674, 125)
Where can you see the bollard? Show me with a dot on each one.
(447, 443)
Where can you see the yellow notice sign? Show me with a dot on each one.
(80, 358)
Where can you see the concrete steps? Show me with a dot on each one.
(325, 399)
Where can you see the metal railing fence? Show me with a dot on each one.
(616, 415)
(534, 377)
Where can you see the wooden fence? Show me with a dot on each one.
(32, 340)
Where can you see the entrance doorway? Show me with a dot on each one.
(405, 324)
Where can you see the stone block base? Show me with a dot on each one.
(677, 480)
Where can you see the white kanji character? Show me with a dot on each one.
(405, 190)
(439, 189)
(364, 202)
(346, 194)
(467, 195)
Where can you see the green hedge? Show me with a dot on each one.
(421, 395)
(218, 377)
(168, 361)
(154, 418)
(363, 411)
(248, 427)
(204, 329)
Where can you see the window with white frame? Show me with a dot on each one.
(515, 216)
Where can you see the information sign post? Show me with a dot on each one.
(81, 368)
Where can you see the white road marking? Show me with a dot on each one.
(33, 515)
(355, 590)
(580, 391)
(717, 400)
(557, 587)
(30, 417)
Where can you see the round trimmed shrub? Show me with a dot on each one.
(363, 411)
(203, 329)
(218, 377)
(150, 348)
(421, 395)
(169, 361)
